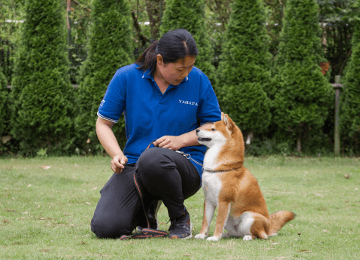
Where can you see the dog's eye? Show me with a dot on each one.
(213, 129)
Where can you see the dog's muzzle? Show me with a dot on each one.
(202, 139)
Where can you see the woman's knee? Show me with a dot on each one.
(110, 227)
(155, 159)
(147, 159)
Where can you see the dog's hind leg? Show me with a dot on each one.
(260, 226)
(231, 227)
(209, 210)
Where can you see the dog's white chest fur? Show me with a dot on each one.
(211, 157)
(211, 187)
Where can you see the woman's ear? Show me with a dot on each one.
(159, 59)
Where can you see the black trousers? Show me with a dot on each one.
(163, 174)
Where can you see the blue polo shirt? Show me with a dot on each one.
(150, 114)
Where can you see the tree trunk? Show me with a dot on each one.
(153, 11)
(299, 144)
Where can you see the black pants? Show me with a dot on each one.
(164, 174)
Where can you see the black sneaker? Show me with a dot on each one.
(181, 227)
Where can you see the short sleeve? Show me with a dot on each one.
(113, 104)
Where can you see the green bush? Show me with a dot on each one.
(109, 48)
(303, 95)
(244, 69)
(350, 103)
(42, 96)
(190, 15)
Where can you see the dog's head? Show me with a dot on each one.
(220, 132)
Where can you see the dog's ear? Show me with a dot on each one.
(224, 118)
(229, 123)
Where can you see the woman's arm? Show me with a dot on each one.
(108, 141)
(177, 142)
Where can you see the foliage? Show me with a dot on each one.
(189, 15)
(303, 96)
(142, 12)
(42, 97)
(79, 18)
(244, 70)
(274, 22)
(11, 15)
(4, 109)
(337, 20)
(217, 13)
(6, 146)
(350, 105)
(108, 49)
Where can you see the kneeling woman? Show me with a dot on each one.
(164, 98)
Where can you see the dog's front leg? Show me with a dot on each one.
(209, 210)
(222, 216)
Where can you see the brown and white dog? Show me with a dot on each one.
(228, 185)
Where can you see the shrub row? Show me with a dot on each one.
(282, 106)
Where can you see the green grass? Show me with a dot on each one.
(46, 213)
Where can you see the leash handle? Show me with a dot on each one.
(152, 143)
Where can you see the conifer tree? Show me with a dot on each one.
(303, 95)
(42, 96)
(109, 48)
(190, 15)
(244, 70)
(350, 102)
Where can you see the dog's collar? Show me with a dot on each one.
(207, 170)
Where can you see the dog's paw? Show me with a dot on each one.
(248, 238)
(213, 238)
(200, 236)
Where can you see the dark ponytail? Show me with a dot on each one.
(148, 58)
(173, 45)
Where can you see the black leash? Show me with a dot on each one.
(145, 233)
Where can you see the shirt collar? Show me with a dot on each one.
(147, 74)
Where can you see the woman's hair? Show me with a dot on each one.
(173, 45)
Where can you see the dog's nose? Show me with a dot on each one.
(197, 130)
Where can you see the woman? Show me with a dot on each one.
(164, 99)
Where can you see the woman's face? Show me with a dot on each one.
(175, 72)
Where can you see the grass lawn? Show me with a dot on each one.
(46, 213)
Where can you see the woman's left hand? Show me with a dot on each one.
(170, 142)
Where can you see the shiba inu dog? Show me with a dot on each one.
(230, 187)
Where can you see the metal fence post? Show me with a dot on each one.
(337, 86)
(68, 9)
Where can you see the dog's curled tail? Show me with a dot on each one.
(278, 220)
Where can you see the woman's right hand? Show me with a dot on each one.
(118, 163)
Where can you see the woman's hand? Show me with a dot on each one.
(170, 142)
(178, 142)
(118, 163)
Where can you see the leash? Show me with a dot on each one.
(188, 156)
(145, 233)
